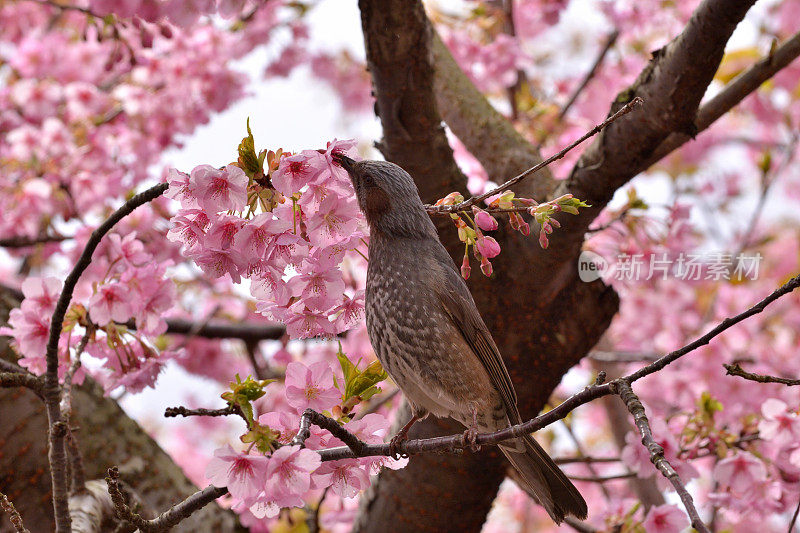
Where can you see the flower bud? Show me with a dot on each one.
(487, 246)
(465, 268)
(486, 267)
(543, 241)
(484, 220)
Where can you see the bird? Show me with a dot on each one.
(429, 336)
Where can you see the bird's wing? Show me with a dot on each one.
(458, 304)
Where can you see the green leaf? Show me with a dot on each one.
(360, 384)
(241, 393)
(248, 159)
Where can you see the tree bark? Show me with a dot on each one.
(543, 318)
(539, 342)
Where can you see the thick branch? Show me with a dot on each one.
(672, 86)
(19, 379)
(733, 93)
(91, 508)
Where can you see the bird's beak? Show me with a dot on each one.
(345, 162)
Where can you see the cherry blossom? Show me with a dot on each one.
(740, 472)
(111, 302)
(310, 386)
(244, 474)
(779, 425)
(289, 472)
(219, 190)
(665, 519)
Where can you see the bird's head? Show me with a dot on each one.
(388, 198)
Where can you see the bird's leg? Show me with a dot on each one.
(471, 434)
(401, 436)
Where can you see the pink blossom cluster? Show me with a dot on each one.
(124, 284)
(290, 476)
(91, 108)
(289, 249)
(492, 67)
(29, 325)
(183, 13)
(740, 434)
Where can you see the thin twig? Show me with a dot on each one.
(603, 479)
(622, 357)
(784, 289)
(171, 412)
(469, 202)
(197, 327)
(23, 241)
(52, 390)
(580, 527)
(586, 459)
(610, 40)
(636, 409)
(77, 471)
(794, 518)
(736, 370)
(312, 417)
(13, 514)
(168, 518)
(312, 516)
(592, 470)
(66, 394)
(247, 332)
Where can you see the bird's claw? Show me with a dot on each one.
(394, 443)
(469, 437)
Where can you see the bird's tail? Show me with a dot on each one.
(543, 480)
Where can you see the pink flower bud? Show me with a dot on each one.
(465, 268)
(486, 267)
(543, 241)
(484, 220)
(487, 246)
(524, 228)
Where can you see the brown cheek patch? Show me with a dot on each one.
(376, 203)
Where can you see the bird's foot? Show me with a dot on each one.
(468, 439)
(401, 436)
(470, 436)
(395, 442)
